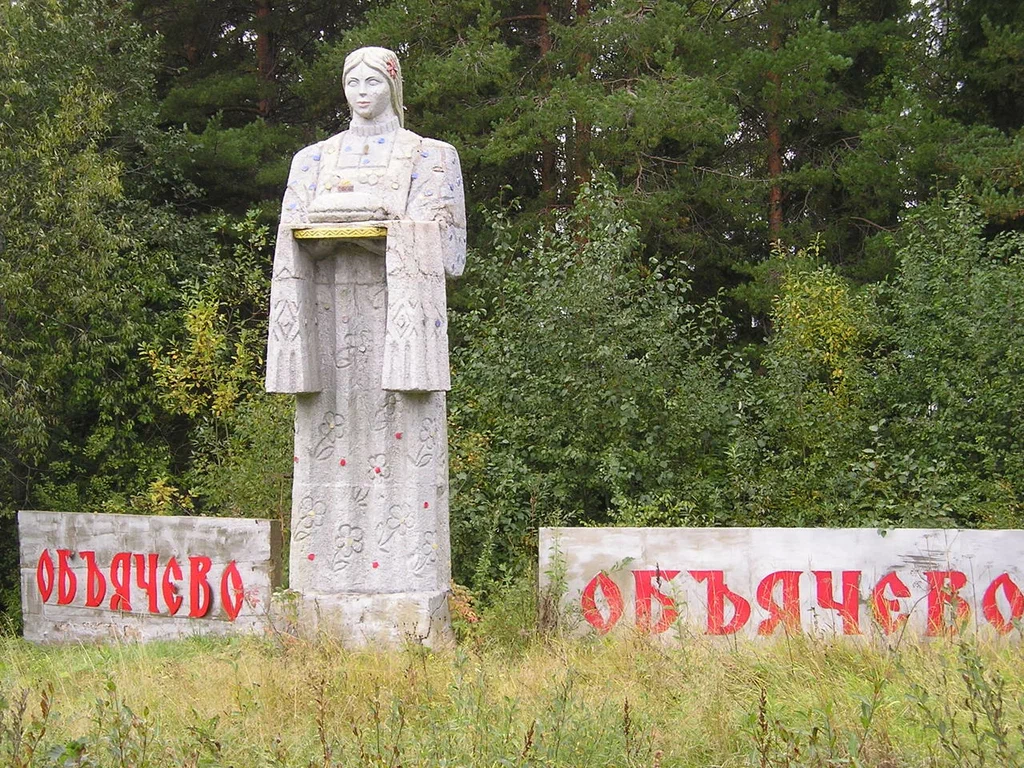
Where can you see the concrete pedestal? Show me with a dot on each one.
(363, 620)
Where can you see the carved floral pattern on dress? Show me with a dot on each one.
(353, 349)
(379, 467)
(399, 520)
(424, 453)
(426, 552)
(358, 495)
(310, 516)
(385, 415)
(330, 429)
(348, 541)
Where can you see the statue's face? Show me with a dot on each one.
(367, 93)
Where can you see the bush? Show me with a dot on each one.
(586, 382)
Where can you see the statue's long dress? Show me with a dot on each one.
(360, 335)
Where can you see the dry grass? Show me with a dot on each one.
(624, 702)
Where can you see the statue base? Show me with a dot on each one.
(360, 619)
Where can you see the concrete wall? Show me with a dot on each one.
(760, 582)
(98, 576)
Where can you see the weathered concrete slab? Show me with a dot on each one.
(131, 577)
(677, 582)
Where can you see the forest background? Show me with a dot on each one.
(732, 262)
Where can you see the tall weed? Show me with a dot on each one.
(547, 701)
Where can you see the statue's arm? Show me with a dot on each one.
(293, 361)
(302, 179)
(437, 195)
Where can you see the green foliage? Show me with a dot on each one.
(241, 165)
(85, 273)
(820, 327)
(123, 739)
(954, 373)
(238, 438)
(896, 405)
(218, 364)
(585, 380)
(225, 82)
(88, 269)
(796, 426)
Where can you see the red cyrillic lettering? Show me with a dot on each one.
(147, 584)
(170, 590)
(1013, 596)
(121, 582)
(612, 596)
(788, 613)
(199, 591)
(645, 592)
(718, 593)
(940, 595)
(67, 582)
(849, 607)
(884, 607)
(44, 575)
(95, 584)
(231, 591)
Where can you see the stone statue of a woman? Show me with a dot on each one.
(358, 331)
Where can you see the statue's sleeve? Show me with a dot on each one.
(293, 360)
(436, 194)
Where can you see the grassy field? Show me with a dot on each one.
(538, 702)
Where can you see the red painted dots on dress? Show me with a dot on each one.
(376, 564)
(426, 505)
(295, 459)
(398, 435)
(341, 463)
(311, 556)
(377, 470)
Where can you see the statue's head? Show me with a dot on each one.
(385, 64)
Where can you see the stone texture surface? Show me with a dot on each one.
(359, 333)
(966, 579)
(367, 620)
(370, 504)
(136, 551)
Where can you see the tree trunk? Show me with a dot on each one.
(266, 58)
(774, 166)
(547, 150)
(582, 162)
(772, 126)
